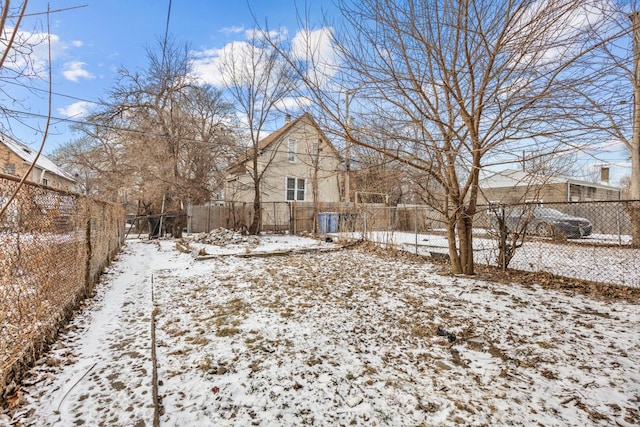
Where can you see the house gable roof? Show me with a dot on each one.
(28, 155)
(277, 135)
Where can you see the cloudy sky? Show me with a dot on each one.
(92, 39)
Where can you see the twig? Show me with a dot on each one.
(74, 385)
(564, 402)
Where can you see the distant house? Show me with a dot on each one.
(515, 186)
(16, 158)
(298, 162)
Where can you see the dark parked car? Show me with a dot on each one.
(544, 222)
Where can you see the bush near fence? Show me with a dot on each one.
(53, 247)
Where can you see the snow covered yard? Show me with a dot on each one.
(595, 258)
(348, 337)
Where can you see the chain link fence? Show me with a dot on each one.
(592, 241)
(53, 247)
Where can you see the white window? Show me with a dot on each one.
(45, 181)
(291, 150)
(10, 169)
(295, 189)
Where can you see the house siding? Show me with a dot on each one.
(549, 193)
(275, 158)
(556, 192)
(8, 159)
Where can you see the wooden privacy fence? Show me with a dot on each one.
(294, 217)
(237, 216)
(53, 247)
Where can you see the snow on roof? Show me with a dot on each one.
(28, 155)
(512, 177)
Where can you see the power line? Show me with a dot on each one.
(166, 34)
(50, 11)
(36, 89)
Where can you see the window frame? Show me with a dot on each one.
(292, 145)
(299, 189)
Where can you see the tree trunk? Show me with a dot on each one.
(465, 236)
(178, 224)
(256, 223)
(454, 257)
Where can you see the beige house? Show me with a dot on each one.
(16, 158)
(298, 163)
(515, 186)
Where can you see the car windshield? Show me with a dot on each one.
(549, 213)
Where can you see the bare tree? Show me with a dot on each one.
(98, 161)
(258, 80)
(373, 172)
(163, 136)
(456, 86)
(15, 64)
(613, 97)
(18, 66)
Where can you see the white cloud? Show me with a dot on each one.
(75, 70)
(206, 66)
(553, 27)
(232, 30)
(293, 103)
(77, 109)
(213, 66)
(316, 48)
(30, 55)
(611, 145)
(237, 60)
(276, 35)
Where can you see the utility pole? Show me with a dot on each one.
(635, 141)
(634, 188)
(347, 143)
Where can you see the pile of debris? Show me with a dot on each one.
(224, 237)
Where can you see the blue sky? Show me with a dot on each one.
(91, 43)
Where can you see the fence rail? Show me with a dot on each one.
(53, 246)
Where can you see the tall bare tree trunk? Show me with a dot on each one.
(634, 190)
(456, 267)
(465, 237)
(256, 222)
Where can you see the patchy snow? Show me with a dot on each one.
(228, 242)
(331, 338)
(596, 259)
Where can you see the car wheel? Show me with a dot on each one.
(544, 230)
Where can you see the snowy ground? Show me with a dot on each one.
(595, 258)
(347, 337)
